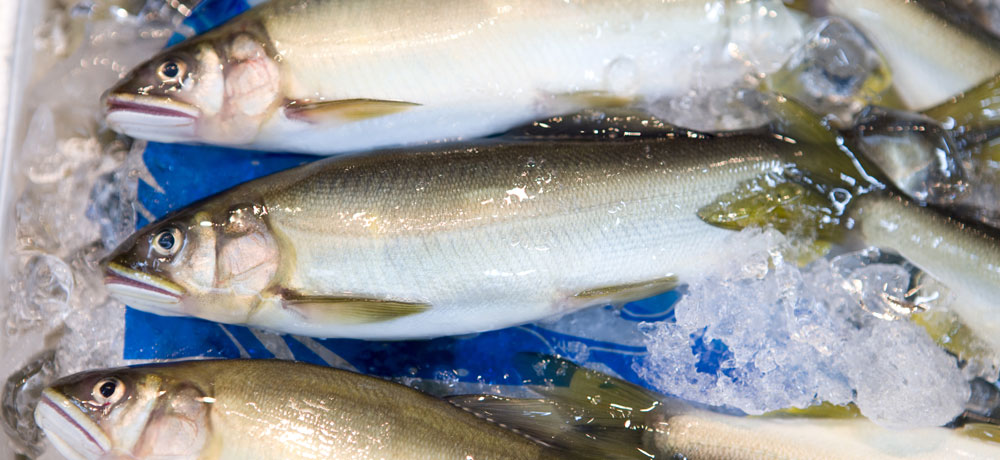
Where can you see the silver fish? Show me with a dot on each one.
(466, 238)
(324, 76)
(243, 409)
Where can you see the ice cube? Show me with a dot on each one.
(836, 71)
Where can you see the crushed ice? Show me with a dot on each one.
(794, 337)
(76, 193)
(790, 337)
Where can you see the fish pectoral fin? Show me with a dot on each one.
(350, 310)
(624, 293)
(789, 207)
(344, 109)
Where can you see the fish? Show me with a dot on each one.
(446, 240)
(963, 255)
(252, 409)
(269, 409)
(322, 76)
(919, 47)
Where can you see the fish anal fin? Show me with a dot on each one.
(623, 293)
(344, 110)
(594, 99)
(825, 410)
(349, 309)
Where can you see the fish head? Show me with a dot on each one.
(127, 413)
(215, 88)
(211, 262)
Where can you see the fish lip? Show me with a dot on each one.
(93, 444)
(129, 103)
(125, 282)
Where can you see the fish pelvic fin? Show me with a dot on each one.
(624, 293)
(344, 110)
(585, 414)
(349, 309)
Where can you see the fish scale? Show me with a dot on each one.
(611, 214)
(326, 77)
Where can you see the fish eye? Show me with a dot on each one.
(171, 70)
(108, 391)
(168, 241)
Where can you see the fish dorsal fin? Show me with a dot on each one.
(344, 110)
(595, 415)
(585, 414)
(578, 432)
(349, 309)
(563, 381)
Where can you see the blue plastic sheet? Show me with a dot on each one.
(188, 173)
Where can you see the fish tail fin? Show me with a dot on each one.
(585, 414)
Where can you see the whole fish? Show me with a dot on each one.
(920, 48)
(456, 239)
(325, 76)
(244, 409)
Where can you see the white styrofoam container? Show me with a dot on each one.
(18, 20)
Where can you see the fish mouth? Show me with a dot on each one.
(141, 290)
(155, 106)
(153, 118)
(72, 433)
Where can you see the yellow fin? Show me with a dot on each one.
(825, 160)
(350, 310)
(625, 292)
(983, 431)
(344, 109)
(595, 99)
(822, 410)
(767, 200)
(976, 108)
